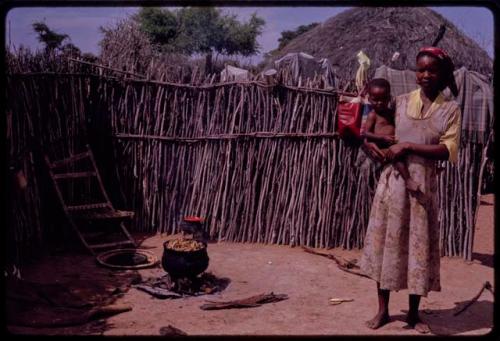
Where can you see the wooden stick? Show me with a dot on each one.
(344, 267)
(261, 135)
(486, 285)
(106, 68)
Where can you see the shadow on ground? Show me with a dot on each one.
(484, 258)
(442, 322)
(66, 293)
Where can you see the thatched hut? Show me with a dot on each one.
(382, 31)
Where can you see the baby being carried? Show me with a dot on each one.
(379, 132)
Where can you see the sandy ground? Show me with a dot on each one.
(309, 281)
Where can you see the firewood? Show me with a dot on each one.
(250, 302)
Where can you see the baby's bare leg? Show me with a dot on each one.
(411, 185)
(401, 167)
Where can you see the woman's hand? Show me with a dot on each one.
(397, 150)
(374, 152)
(389, 139)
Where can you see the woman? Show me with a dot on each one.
(401, 248)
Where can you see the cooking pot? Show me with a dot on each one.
(181, 264)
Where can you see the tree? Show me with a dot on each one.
(51, 39)
(204, 30)
(287, 36)
(160, 25)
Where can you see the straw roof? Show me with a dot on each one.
(382, 31)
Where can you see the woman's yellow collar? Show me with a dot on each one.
(415, 104)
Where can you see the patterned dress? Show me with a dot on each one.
(401, 247)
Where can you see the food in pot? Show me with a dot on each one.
(184, 245)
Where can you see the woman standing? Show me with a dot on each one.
(401, 248)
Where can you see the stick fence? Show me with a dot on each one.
(262, 163)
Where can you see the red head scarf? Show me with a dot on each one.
(446, 63)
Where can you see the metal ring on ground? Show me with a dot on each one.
(136, 259)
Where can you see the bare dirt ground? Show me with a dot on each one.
(308, 280)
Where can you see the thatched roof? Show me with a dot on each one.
(380, 32)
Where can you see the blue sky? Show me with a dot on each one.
(82, 24)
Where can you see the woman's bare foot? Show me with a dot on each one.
(416, 323)
(378, 321)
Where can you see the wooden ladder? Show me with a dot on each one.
(85, 213)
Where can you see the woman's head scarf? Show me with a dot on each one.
(447, 66)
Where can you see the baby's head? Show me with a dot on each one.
(379, 95)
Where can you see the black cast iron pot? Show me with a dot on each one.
(180, 264)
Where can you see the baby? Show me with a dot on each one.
(379, 129)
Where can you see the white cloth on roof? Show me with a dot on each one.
(232, 73)
(362, 72)
(306, 66)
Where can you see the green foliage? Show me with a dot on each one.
(51, 39)
(203, 30)
(160, 25)
(243, 37)
(199, 30)
(287, 36)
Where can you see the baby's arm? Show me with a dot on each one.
(371, 148)
(370, 127)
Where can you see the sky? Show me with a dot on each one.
(82, 23)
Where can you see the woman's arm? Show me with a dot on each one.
(430, 151)
(373, 151)
(447, 149)
(389, 139)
